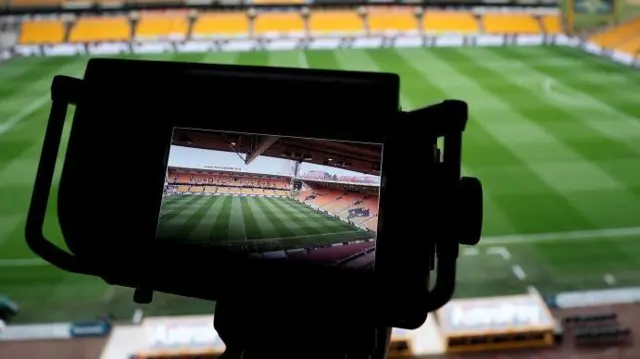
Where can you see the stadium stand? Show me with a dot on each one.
(211, 25)
(273, 23)
(342, 202)
(100, 29)
(335, 22)
(42, 32)
(359, 208)
(156, 27)
(34, 3)
(510, 23)
(449, 22)
(551, 24)
(601, 335)
(631, 47)
(392, 21)
(617, 37)
(225, 183)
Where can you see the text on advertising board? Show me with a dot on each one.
(496, 316)
(181, 335)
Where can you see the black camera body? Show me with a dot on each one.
(111, 188)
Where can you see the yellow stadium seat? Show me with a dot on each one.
(382, 21)
(33, 3)
(631, 47)
(154, 27)
(618, 35)
(270, 22)
(506, 23)
(552, 24)
(335, 22)
(221, 24)
(42, 32)
(100, 29)
(449, 22)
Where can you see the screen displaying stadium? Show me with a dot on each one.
(272, 197)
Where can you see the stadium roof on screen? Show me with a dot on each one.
(364, 158)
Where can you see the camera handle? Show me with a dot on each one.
(65, 91)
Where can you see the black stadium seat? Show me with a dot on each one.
(601, 335)
(590, 318)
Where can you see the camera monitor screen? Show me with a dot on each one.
(273, 197)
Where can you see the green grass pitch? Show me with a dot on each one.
(554, 134)
(259, 223)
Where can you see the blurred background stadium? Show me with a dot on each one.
(554, 134)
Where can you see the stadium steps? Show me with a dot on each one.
(541, 24)
(190, 24)
(478, 18)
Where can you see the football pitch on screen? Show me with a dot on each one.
(554, 135)
(261, 223)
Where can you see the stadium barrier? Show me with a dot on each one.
(51, 331)
(517, 321)
(189, 336)
(36, 332)
(613, 55)
(577, 299)
(276, 44)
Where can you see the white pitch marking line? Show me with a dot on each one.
(137, 316)
(470, 252)
(519, 273)
(609, 279)
(302, 59)
(501, 251)
(7, 125)
(569, 235)
(532, 290)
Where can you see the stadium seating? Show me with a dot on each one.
(617, 36)
(449, 22)
(335, 22)
(343, 202)
(601, 335)
(154, 27)
(371, 204)
(392, 21)
(34, 3)
(230, 24)
(42, 32)
(289, 23)
(631, 47)
(98, 29)
(372, 223)
(510, 23)
(551, 24)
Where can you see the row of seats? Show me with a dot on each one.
(339, 203)
(228, 179)
(624, 38)
(209, 25)
(52, 3)
(230, 190)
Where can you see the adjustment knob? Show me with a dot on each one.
(469, 211)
